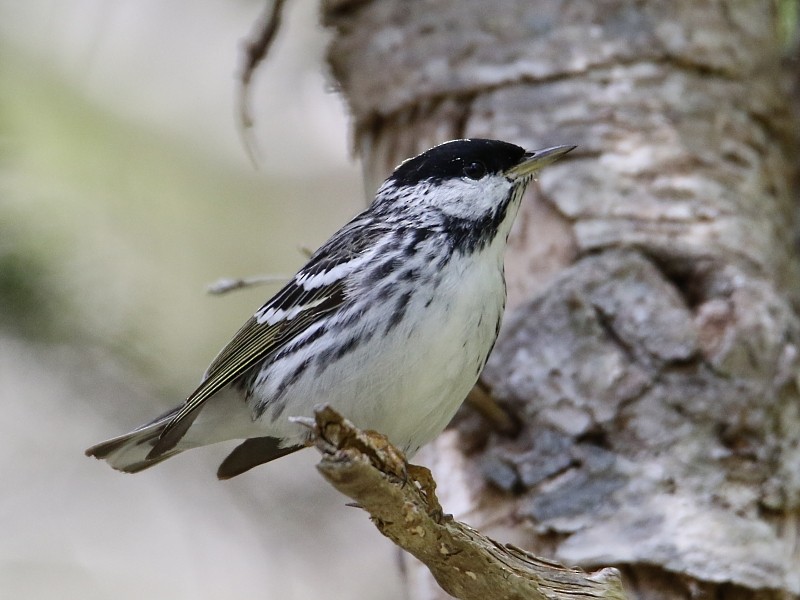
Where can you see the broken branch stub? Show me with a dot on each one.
(401, 501)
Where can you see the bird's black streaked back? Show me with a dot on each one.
(448, 160)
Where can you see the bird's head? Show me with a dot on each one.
(467, 179)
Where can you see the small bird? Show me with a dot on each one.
(390, 322)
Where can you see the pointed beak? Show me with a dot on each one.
(533, 161)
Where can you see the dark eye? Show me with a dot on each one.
(475, 170)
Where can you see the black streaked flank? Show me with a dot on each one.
(332, 353)
(348, 320)
(277, 401)
(353, 343)
(383, 270)
(386, 291)
(399, 311)
(302, 343)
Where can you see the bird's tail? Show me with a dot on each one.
(128, 452)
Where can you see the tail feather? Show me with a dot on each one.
(223, 417)
(251, 453)
(128, 452)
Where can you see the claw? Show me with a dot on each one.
(427, 486)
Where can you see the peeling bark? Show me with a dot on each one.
(652, 353)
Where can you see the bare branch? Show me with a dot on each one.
(225, 285)
(402, 503)
(228, 284)
(256, 48)
(480, 398)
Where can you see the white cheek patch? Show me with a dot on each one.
(468, 199)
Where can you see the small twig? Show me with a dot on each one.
(225, 285)
(480, 398)
(466, 564)
(256, 47)
(228, 284)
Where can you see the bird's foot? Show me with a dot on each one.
(424, 481)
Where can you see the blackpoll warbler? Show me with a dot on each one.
(390, 322)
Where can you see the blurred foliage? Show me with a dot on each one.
(113, 228)
(122, 195)
(27, 298)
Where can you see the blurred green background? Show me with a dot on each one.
(124, 191)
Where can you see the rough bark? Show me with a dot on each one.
(652, 351)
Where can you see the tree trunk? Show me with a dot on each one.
(650, 350)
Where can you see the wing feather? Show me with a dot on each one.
(251, 345)
(307, 298)
(318, 289)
